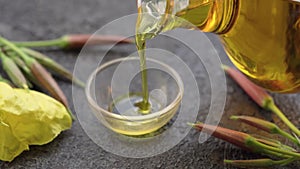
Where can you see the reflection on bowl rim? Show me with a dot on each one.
(93, 103)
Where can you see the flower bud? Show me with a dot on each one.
(25, 70)
(258, 94)
(47, 81)
(53, 66)
(13, 72)
(79, 40)
(258, 123)
(237, 138)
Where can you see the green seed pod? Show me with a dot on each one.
(237, 138)
(265, 126)
(53, 66)
(259, 95)
(47, 81)
(258, 123)
(275, 143)
(13, 72)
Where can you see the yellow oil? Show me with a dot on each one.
(141, 38)
(261, 37)
(144, 105)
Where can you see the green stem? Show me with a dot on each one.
(264, 147)
(52, 65)
(272, 153)
(60, 42)
(13, 47)
(288, 136)
(271, 106)
(286, 161)
(275, 143)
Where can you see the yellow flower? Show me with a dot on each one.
(28, 118)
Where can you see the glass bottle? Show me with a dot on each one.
(261, 37)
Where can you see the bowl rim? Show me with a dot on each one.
(101, 110)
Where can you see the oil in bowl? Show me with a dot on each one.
(114, 91)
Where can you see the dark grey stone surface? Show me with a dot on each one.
(42, 19)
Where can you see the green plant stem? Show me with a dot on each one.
(13, 47)
(13, 71)
(271, 106)
(287, 161)
(60, 42)
(275, 143)
(52, 65)
(275, 154)
(262, 147)
(288, 136)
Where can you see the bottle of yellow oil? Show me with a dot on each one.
(261, 37)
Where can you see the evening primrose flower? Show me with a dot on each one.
(28, 118)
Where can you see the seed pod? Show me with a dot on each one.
(26, 71)
(13, 72)
(260, 96)
(275, 143)
(47, 81)
(244, 141)
(41, 74)
(265, 126)
(79, 40)
(53, 66)
(234, 137)
(258, 123)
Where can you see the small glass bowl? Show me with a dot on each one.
(115, 79)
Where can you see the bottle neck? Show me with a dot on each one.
(215, 16)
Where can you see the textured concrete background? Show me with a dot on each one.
(42, 19)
